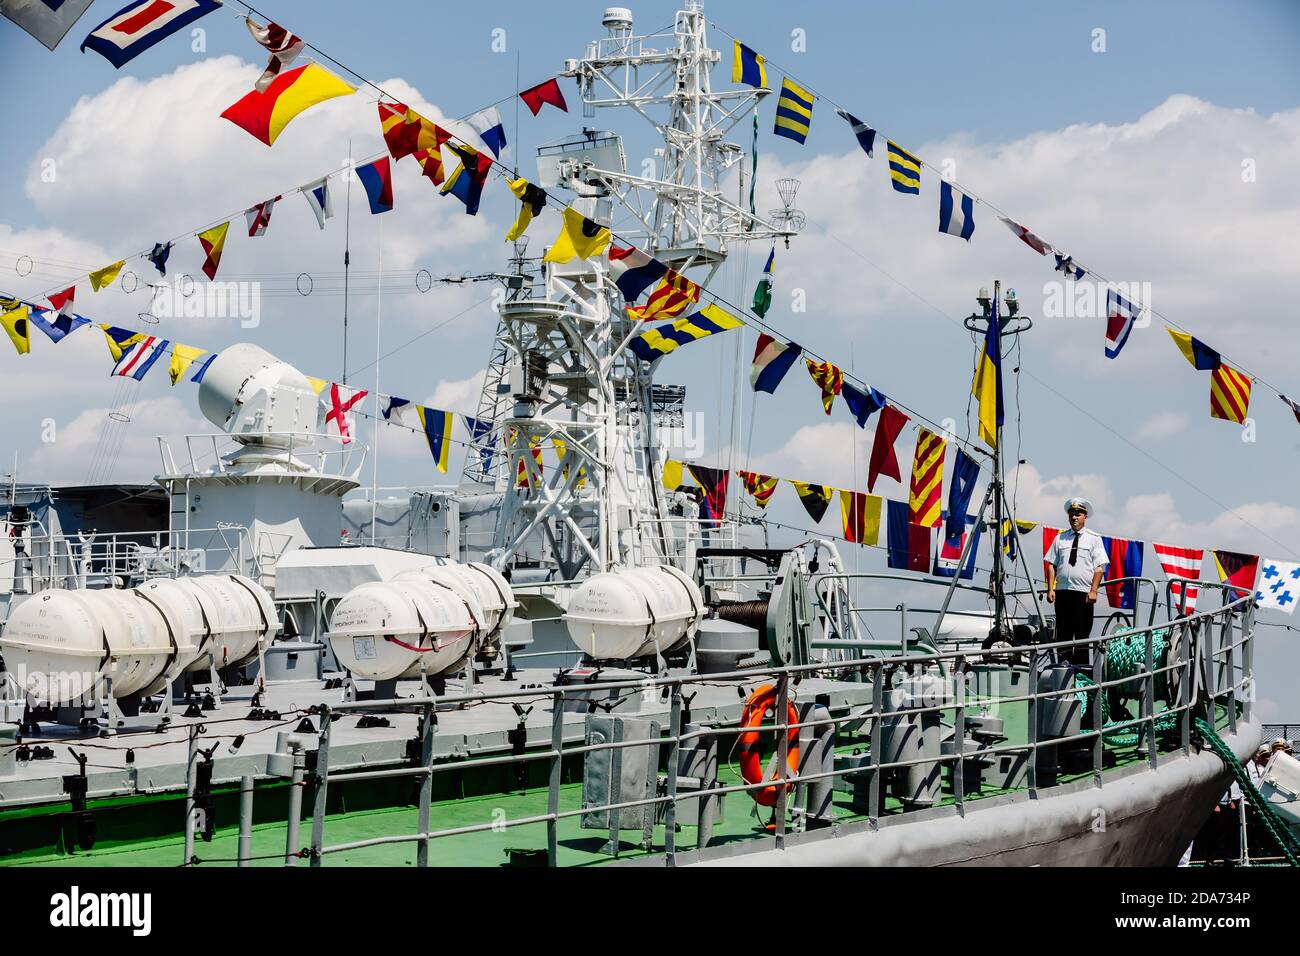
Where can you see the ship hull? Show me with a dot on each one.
(1143, 817)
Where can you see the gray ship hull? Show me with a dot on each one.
(1143, 817)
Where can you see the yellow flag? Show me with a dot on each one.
(672, 474)
(317, 384)
(182, 356)
(105, 276)
(19, 328)
(579, 238)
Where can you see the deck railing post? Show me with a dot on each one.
(670, 809)
(782, 755)
(1032, 769)
(1185, 696)
(553, 783)
(296, 782)
(959, 735)
(189, 795)
(877, 705)
(428, 726)
(244, 848)
(322, 785)
(1149, 698)
(1248, 657)
(1098, 724)
(1229, 636)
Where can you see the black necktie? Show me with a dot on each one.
(1074, 551)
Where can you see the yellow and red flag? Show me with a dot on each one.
(1229, 394)
(927, 479)
(829, 378)
(674, 294)
(760, 487)
(264, 115)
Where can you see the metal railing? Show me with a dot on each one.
(209, 445)
(1209, 665)
(119, 559)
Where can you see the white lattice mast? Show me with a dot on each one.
(570, 383)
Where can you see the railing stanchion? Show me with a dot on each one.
(1248, 657)
(1149, 699)
(553, 783)
(428, 726)
(1185, 697)
(959, 735)
(674, 748)
(1098, 724)
(189, 795)
(782, 754)
(322, 775)
(1032, 768)
(1229, 635)
(244, 846)
(877, 705)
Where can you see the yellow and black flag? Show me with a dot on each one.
(814, 498)
(579, 238)
(15, 319)
(533, 201)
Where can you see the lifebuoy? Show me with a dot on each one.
(751, 761)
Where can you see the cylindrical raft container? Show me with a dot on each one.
(634, 612)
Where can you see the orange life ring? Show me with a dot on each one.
(751, 761)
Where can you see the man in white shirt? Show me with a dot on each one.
(1076, 561)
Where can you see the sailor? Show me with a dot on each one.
(1075, 563)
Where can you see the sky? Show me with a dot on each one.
(1154, 142)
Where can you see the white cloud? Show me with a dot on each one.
(96, 447)
(1268, 526)
(1156, 200)
(1162, 425)
(460, 395)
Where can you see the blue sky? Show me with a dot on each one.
(1129, 159)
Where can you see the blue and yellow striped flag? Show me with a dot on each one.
(904, 169)
(748, 67)
(437, 429)
(987, 385)
(659, 341)
(793, 111)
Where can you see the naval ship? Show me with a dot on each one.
(578, 666)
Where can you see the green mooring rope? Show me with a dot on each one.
(1276, 828)
(1125, 656)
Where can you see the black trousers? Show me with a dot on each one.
(1074, 623)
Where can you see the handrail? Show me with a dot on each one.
(1198, 648)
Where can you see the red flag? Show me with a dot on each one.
(1183, 567)
(58, 300)
(1049, 535)
(1027, 237)
(883, 460)
(542, 93)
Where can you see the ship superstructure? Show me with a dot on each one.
(578, 643)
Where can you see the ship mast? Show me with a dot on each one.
(996, 508)
(560, 378)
